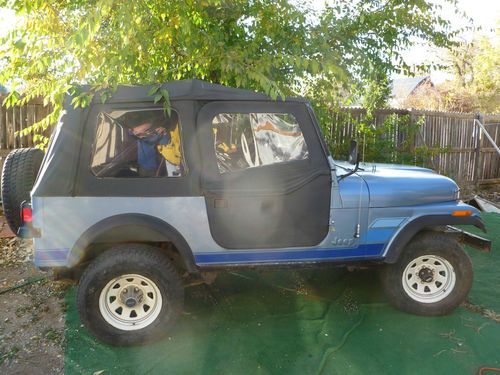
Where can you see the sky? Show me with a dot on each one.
(484, 13)
(7, 21)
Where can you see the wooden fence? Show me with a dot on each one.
(15, 119)
(466, 154)
(468, 158)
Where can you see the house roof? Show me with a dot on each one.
(403, 87)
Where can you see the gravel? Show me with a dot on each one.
(31, 316)
(15, 251)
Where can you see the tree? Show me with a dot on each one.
(267, 45)
(486, 83)
(475, 68)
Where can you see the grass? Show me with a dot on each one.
(53, 335)
(8, 355)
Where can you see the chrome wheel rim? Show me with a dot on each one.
(130, 302)
(429, 279)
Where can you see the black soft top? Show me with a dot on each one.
(192, 89)
(58, 174)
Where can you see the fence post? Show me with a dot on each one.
(3, 131)
(412, 121)
(477, 133)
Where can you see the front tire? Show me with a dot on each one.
(432, 276)
(130, 295)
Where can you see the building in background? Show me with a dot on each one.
(409, 93)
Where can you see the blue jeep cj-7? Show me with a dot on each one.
(129, 198)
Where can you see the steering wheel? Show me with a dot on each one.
(120, 161)
(246, 151)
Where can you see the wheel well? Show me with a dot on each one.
(397, 247)
(422, 224)
(132, 228)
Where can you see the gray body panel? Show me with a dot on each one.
(62, 220)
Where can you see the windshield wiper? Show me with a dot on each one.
(351, 171)
(344, 168)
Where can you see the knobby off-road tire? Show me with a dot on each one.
(432, 276)
(18, 177)
(130, 295)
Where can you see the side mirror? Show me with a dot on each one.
(353, 152)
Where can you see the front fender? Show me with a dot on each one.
(404, 236)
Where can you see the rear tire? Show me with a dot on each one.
(19, 173)
(432, 276)
(130, 295)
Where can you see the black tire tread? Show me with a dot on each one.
(143, 257)
(19, 173)
(429, 243)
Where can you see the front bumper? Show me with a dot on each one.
(472, 240)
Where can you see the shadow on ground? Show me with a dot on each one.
(325, 321)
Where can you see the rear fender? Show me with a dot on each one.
(129, 228)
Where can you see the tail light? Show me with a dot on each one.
(26, 229)
(26, 214)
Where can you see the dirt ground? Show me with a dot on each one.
(491, 193)
(31, 317)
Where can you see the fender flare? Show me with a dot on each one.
(162, 232)
(404, 236)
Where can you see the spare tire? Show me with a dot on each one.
(18, 177)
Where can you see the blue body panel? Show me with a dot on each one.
(366, 251)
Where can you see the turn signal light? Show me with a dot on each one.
(26, 215)
(462, 213)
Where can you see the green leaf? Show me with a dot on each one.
(11, 99)
(166, 103)
(153, 90)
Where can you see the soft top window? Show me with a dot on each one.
(247, 140)
(138, 143)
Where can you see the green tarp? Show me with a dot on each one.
(326, 321)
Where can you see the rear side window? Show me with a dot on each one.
(248, 140)
(138, 143)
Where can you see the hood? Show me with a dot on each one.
(393, 185)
